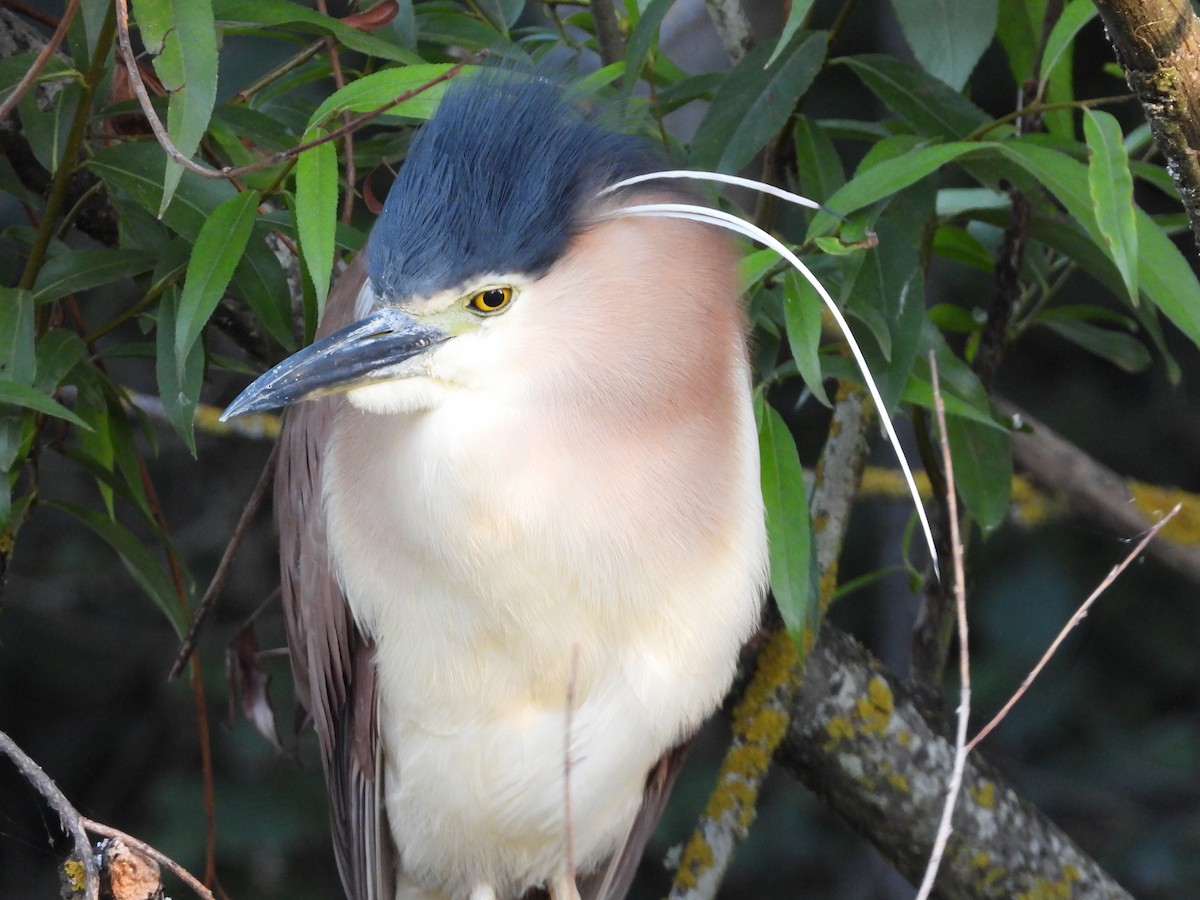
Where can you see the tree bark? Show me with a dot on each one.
(1158, 45)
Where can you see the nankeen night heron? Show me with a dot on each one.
(521, 523)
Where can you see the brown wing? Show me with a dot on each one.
(613, 880)
(331, 659)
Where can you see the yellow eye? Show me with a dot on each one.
(489, 301)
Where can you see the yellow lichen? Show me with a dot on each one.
(839, 729)
(1044, 889)
(875, 709)
(1155, 502)
(75, 876)
(984, 795)
(904, 738)
(899, 782)
(697, 856)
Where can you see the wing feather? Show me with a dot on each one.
(332, 661)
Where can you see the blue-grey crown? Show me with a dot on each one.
(496, 181)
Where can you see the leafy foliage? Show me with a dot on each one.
(921, 176)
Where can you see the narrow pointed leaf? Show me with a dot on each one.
(79, 270)
(752, 105)
(644, 38)
(179, 379)
(1111, 186)
(928, 104)
(182, 37)
(887, 178)
(789, 531)
(316, 211)
(795, 19)
(802, 312)
(374, 90)
(1074, 16)
(983, 469)
(28, 397)
(217, 252)
(233, 13)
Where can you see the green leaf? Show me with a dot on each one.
(1121, 349)
(181, 35)
(928, 105)
(251, 13)
(1164, 276)
(947, 36)
(802, 312)
(137, 169)
(148, 574)
(1019, 30)
(79, 270)
(789, 532)
(501, 14)
(58, 352)
(46, 130)
(179, 379)
(817, 161)
(260, 281)
(27, 397)
(889, 282)
(887, 178)
(796, 16)
(983, 469)
(1074, 16)
(644, 39)
(1111, 186)
(373, 91)
(18, 359)
(316, 211)
(217, 251)
(752, 105)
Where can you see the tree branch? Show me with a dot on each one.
(860, 740)
(1123, 506)
(1158, 45)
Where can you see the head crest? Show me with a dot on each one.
(497, 181)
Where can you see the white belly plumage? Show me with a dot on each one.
(509, 600)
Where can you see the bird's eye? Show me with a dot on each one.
(489, 301)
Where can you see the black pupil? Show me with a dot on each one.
(492, 299)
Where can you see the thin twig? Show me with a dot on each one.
(1074, 621)
(164, 140)
(339, 82)
(43, 58)
(157, 855)
(964, 660)
(72, 822)
(568, 826)
(209, 600)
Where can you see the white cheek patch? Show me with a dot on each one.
(404, 395)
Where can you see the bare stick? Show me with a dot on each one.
(964, 660)
(43, 58)
(568, 832)
(164, 140)
(1079, 616)
(157, 855)
(209, 600)
(72, 822)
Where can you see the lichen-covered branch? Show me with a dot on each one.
(860, 741)
(1121, 505)
(1158, 45)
